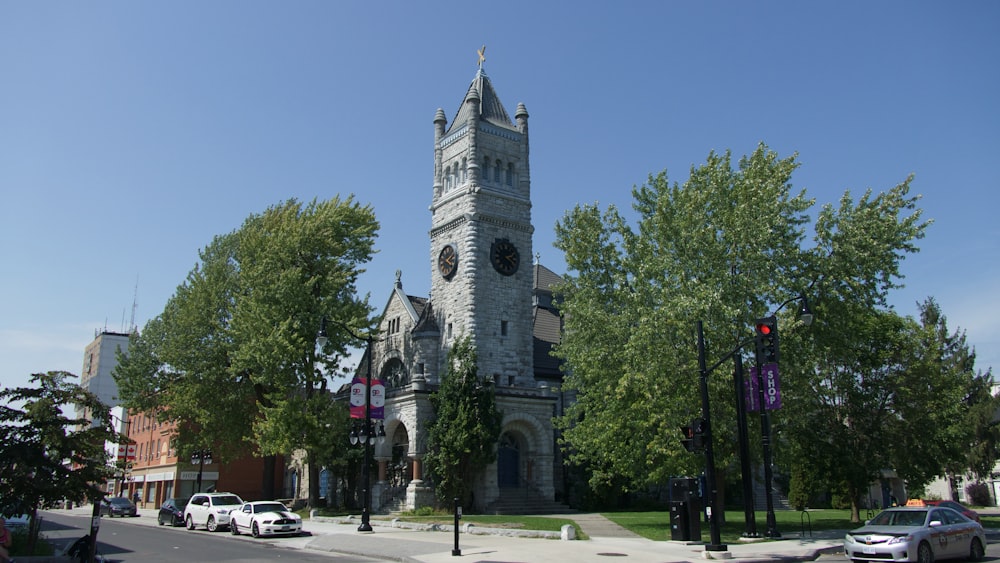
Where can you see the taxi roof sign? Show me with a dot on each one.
(915, 502)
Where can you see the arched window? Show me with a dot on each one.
(394, 374)
(486, 169)
(465, 170)
(497, 171)
(510, 173)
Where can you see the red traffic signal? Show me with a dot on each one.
(767, 340)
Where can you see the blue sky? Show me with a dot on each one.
(132, 133)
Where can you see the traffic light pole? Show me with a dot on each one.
(765, 441)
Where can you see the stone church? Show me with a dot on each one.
(486, 285)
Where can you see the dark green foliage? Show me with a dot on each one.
(46, 456)
(463, 437)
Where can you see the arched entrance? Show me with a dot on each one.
(508, 461)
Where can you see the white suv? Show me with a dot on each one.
(210, 510)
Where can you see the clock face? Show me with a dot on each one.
(504, 257)
(448, 261)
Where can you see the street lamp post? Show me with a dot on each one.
(367, 434)
(713, 520)
(201, 458)
(743, 438)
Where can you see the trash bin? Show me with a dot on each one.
(685, 509)
(680, 525)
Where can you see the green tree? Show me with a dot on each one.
(463, 437)
(959, 403)
(726, 247)
(233, 356)
(45, 456)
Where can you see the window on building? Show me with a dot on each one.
(503, 328)
(510, 173)
(486, 169)
(496, 172)
(465, 170)
(420, 367)
(449, 331)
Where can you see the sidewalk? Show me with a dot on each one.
(607, 541)
(409, 545)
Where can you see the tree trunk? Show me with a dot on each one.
(313, 469)
(855, 507)
(267, 486)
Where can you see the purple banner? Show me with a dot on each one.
(772, 389)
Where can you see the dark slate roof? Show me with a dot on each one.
(418, 304)
(547, 329)
(490, 107)
(427, 322)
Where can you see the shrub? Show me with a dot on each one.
(978, 494)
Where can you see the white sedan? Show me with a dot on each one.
(264, 518)
(919, 534)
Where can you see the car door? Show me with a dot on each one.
(198, 509)
(243, 517)
(961, 532)
(944, 534)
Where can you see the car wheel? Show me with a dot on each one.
(976, 550)
(232, 527)
(255, 531)
(189, 522)
(924, 553)
(212, 525)
(159, 520)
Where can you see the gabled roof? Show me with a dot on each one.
(490, 107)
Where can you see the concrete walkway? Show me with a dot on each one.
(597, 526)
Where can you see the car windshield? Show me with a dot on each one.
(226, 500)
(900, 518)
(269, 507)
(121, 501)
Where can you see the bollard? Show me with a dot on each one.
(458, 515)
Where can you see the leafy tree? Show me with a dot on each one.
(45, 456)
(726, 247)
(462, 438)
(233, 358)
(960, 403)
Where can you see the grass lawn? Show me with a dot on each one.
(656, 525)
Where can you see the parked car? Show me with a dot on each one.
(117, 506)
(172, 511)
(264, 518)
(19, 521)
(956, 506)
(210, 510)
(918, 534)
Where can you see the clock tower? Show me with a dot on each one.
(481, 253)
(485, 286)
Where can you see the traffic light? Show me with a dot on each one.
(694, 435)
(767, 340)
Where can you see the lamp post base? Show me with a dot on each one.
(365, 522)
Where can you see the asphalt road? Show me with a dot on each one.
(126, 540)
